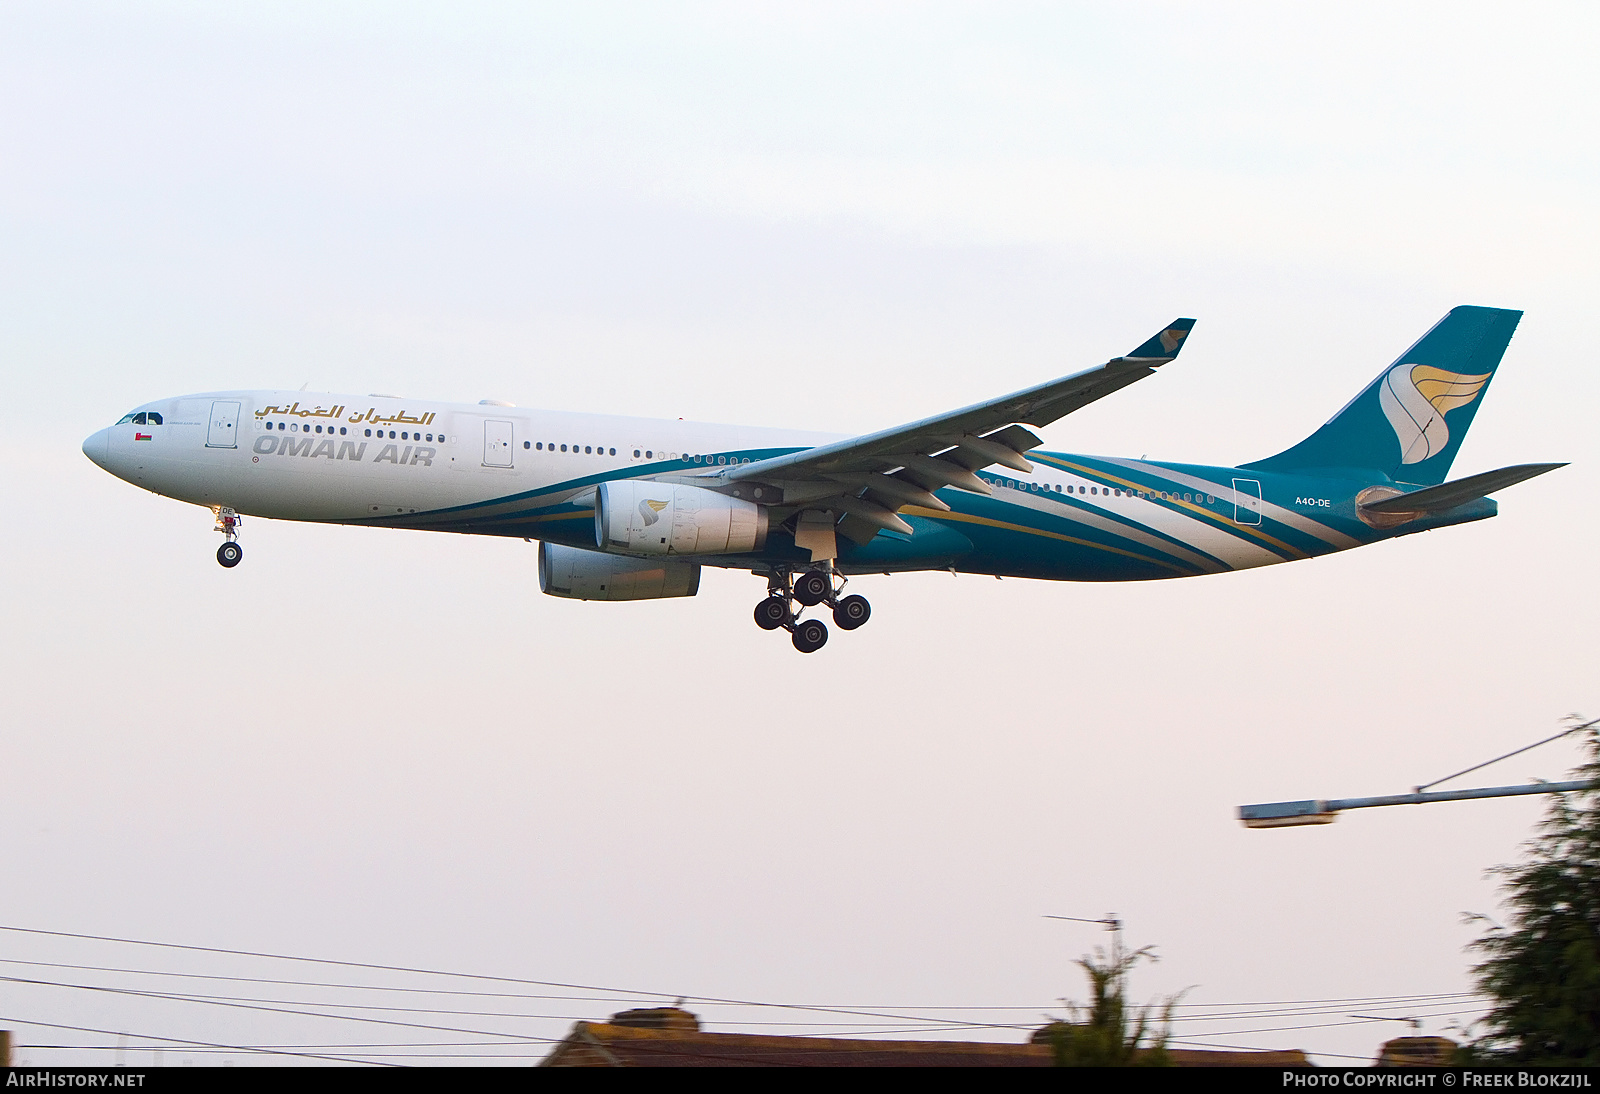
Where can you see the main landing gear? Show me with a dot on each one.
(230, 552)
(809, 589)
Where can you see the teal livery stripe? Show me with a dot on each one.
(546, 495)
(961, 518)
(1290, 519)
(1085, 518)
(1150, 482)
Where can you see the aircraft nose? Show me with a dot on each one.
(98, 448)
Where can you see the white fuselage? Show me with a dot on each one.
(346, 458)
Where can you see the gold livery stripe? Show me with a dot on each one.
(1224, 522)
(935, 514)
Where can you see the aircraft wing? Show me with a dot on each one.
(867, 479)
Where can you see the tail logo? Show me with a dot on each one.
(651, 511)
(1170, 339)
(1415, 399)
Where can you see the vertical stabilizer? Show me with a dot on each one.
(1410, 421)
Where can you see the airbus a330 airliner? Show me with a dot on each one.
(632, 508)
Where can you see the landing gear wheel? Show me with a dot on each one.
(810, 636)
(851, 612)
(229, 554)
(772, 613)
(812, 588)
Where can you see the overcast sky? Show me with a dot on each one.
(388, 747)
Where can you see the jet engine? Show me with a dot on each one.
(654, 518)
(589, 575)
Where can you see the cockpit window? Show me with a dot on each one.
(154, 418)
(125, 419)
(143, 417)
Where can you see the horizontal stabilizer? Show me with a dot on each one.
(1434, 499)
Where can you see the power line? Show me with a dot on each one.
(862, 1012)
(632, 997)
(1244, 1048)
(1292, 1012)
(1317, 1025)
(178, 998)
(616, 994)
(1351, 1000)
(383, 1055)
(924, 1022)
(176, 1040)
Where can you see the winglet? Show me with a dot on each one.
(1165, 346)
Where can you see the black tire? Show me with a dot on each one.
(229, 554)
(772, 613)
(851, 612)
(812, 588)
(810, 636)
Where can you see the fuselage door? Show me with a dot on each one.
(1246, 501)
(497, 444)
(223, 431)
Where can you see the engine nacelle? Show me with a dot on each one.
(657, 518)
(590, 575)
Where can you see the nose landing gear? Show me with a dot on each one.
(230, 552)
(809, 589)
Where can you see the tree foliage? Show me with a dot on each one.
(1099, 1035)
(1543, 968)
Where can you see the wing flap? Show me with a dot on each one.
(935, 474)
(978, 452)
(1014, 437)
(893, 489)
